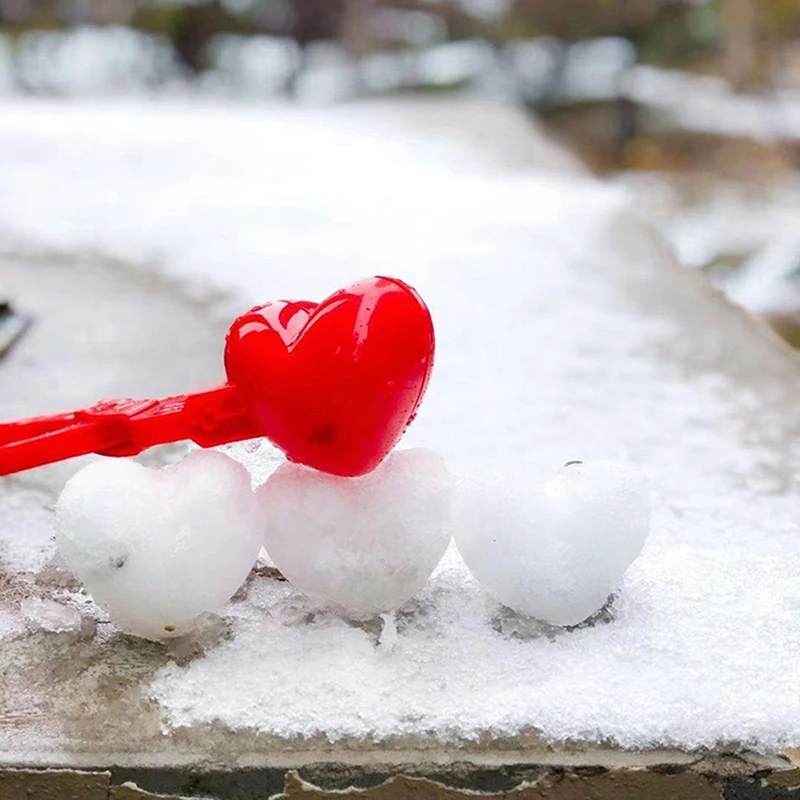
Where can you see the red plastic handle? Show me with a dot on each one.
(127, 427)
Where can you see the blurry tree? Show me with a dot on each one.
(663, 31)
(672, 33)
(780, 30)
(96, 12)
(190, 27)
(741, 32)
(680, 34)
(780, 18)
(19, 14)
(577, 19)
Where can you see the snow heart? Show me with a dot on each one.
(367, 544)
(158, 548)
(553, 549)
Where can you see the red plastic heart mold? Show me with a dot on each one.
(335, 385)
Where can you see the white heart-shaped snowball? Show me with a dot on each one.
(158, 548)
(367, 544)
(553, 549)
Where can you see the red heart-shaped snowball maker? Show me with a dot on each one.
(335, 385)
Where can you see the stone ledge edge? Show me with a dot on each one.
(713, 777)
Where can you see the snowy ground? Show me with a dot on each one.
(556, 341)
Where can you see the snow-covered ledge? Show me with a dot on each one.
(564, 331)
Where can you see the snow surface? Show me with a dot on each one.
(542, 358)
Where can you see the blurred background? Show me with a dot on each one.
(692, 106)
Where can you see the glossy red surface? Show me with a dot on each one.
(335, 385)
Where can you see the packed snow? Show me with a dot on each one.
(556, 549)
(544, 355)
(159, 548)
(367, 544)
